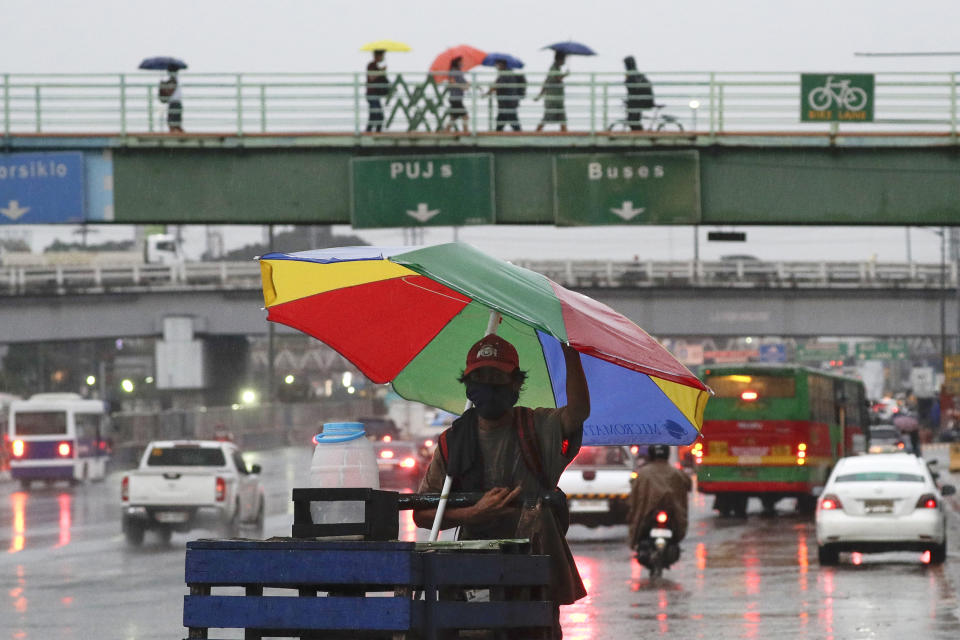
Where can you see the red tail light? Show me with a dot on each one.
(64, 449)
(18, 448)
(830, 502)
(900, 445)
(662, 517)
(749, 396)
(125, 489)
(221, 489)
(388, 438)
(428, 443)
(408, 463)
(927, 501)
(386, 453)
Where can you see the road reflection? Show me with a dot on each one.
(65, 503)
(18, 503)
(579, 619)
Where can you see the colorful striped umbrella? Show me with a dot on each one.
(408, 315)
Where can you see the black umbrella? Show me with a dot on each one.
(163, 63)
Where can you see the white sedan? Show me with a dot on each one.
(881, 502)
(597, 484)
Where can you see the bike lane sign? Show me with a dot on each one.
(836, 97)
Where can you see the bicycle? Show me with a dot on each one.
(656, 121)
(850, 98)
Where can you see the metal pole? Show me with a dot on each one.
(593, 104)
(239, 104)
(492, 324)
(356, 103)
(909, 248)
(473, 102)
(271, 330)
(943, 294)
(696, 252)
(123, 105)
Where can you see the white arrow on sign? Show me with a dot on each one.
(423, 212)
(626, 210)
(14, 210)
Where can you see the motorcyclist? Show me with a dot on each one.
(658, 486)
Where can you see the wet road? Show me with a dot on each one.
(66, 572)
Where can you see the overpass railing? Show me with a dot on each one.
(710, 103)
(62, 279)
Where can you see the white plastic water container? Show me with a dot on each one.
(343, 457)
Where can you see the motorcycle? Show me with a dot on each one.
(656, 549)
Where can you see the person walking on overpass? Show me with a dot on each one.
(554, 110)
(171, 94)
(378, 88)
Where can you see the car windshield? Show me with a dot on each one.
(601, 456)
(879, 476)
(186, 457)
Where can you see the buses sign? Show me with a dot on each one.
(836, 97)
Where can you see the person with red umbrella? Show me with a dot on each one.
(458, 84)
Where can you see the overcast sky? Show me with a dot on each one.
(62, 36)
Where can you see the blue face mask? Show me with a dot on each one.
(491, 400)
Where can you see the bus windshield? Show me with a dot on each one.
(765, 386)
(40, 423)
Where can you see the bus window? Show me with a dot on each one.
(40, 423)
(766, 386)
(822, 401)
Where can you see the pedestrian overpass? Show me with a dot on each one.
(754, 149)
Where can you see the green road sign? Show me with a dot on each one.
(627, 188)
(822, 351)
(836, 97)
(881, 350)
(422, 190)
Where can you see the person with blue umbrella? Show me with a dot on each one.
(552, 91)
(510, 87)
(169, 92)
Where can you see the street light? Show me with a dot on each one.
(694, 105)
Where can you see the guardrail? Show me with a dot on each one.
(63, 279)
(710, 103)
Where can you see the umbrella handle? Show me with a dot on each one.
(492, 323)
(441, 507)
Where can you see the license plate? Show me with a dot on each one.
(878, 506)
(589, 505)
(170, 516)
(661, 533)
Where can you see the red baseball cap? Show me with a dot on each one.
(492, 351)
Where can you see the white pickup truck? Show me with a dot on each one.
(186, 484)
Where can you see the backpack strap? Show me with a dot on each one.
(444, 447)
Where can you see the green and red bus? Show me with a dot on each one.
(775, 431)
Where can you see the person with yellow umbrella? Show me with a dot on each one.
(378, 85)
